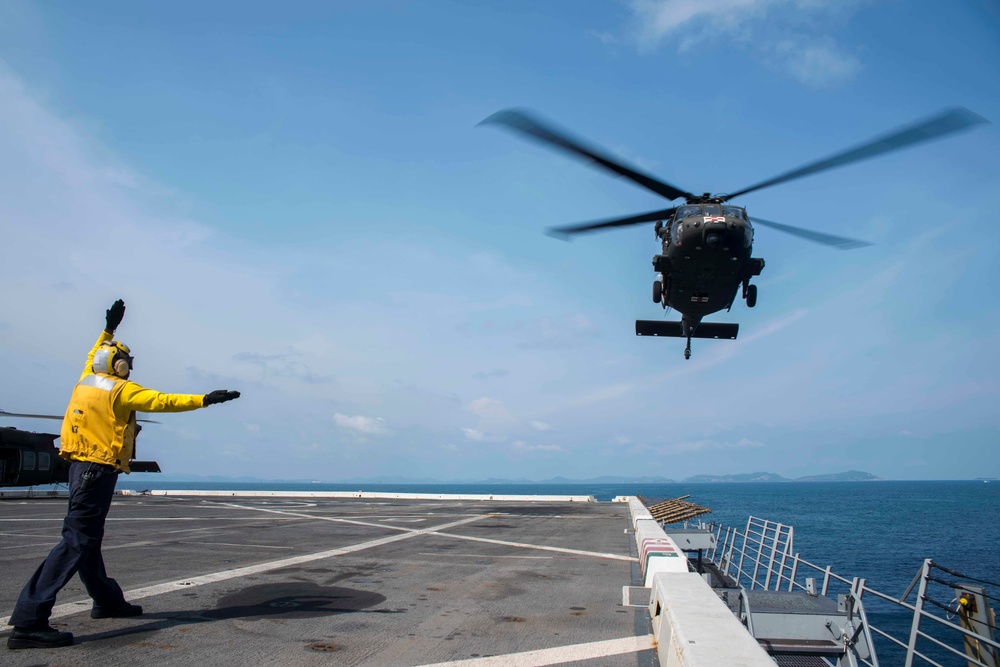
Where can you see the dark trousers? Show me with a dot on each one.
(91, 487)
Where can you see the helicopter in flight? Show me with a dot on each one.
(32, 459)
(707, 243)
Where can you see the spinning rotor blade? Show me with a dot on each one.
(938, 126)
(838, 242)
(525, 123)
(565, 233)
(4, 413)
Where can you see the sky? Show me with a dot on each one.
(295, 201)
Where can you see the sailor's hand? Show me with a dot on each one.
(219, 396)
(113, 316)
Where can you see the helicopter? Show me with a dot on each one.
(707, 243)
(32, 459)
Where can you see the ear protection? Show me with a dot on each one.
(113, 358)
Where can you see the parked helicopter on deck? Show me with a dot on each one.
(32, 459)
(707, 243)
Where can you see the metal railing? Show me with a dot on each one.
(762, 557)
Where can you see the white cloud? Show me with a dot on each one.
(477, 435)
(787, 34)
(486, 407)
(540, 426)
(816, 62)
(522, 446)
(660, 18)
(708, 445)
(474, 435)
(605, 38)
(361, 424)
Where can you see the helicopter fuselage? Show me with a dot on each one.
(706, 258)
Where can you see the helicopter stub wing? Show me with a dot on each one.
(674, 329)
(144, 466)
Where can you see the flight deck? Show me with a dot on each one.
(345, 581)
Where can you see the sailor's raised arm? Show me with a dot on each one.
(112, 318)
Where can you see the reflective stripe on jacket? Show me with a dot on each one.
(90, 430)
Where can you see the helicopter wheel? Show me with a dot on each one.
(687, 350)
(751, 296)
(657, 291)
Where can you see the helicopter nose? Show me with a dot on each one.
(715, 239)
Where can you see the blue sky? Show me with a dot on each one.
(295, 202)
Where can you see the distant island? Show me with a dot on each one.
(848, 476)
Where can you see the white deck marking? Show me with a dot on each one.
(170, 518)
(558, 655)
(522, 545)
(228, 544)
(335, 519)
(71, 608)
(450, 555)
(25, 546)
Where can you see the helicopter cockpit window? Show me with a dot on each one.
(733, 212)
(27, 460)
(747, 234)
(712, 210)
(688, 211)
(43, 461)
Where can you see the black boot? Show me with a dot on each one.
(124, 611)
(39, 637)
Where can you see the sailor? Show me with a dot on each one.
(98, 437)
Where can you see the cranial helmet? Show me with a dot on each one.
(113, 358)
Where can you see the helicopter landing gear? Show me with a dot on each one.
(751, 296)
(657, 291)
(687, 350)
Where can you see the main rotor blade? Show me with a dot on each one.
(838, 242)
(943, 124)
(4, 413)
(528, 124)
(564, 233)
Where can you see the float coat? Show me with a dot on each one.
(99, 425)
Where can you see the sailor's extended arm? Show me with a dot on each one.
(137, 398)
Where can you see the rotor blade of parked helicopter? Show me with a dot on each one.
(530, 125)
(940, 125)
(4, 413)
(838, 242)
(565, 233)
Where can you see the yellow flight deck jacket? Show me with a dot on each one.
(99, 425)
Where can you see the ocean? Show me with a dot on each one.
(881, 531)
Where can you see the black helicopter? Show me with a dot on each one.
(707, 243)
(32, 459)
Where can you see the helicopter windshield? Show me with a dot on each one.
(688, 211)
(733, 212)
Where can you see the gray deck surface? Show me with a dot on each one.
(372, 586)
